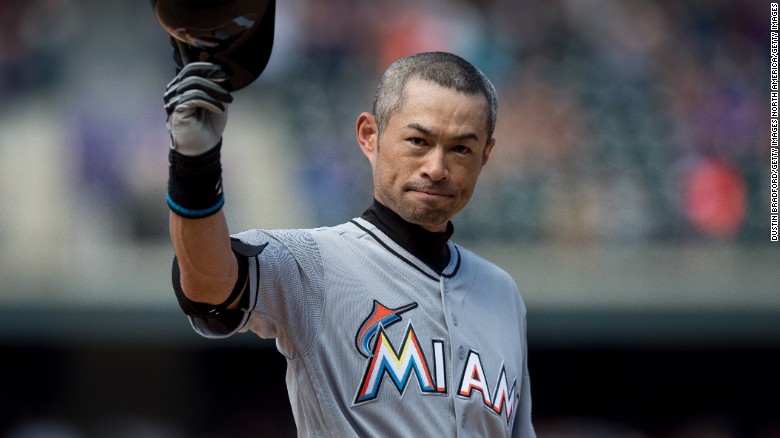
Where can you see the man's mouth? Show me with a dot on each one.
(430, 194)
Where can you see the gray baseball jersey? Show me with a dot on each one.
(380, 344)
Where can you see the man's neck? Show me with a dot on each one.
(431, 248)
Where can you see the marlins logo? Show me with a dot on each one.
(399, 365)
(380, 315)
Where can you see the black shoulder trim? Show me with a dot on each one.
(246, 249)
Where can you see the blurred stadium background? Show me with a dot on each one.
(628, 195)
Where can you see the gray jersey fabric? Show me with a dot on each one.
(378, 344)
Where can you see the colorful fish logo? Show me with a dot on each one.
(380, 315)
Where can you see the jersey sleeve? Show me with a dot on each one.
(284, 291)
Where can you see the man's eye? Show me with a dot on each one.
(417, 141)
(460, 149)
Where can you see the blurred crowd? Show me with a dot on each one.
(619, 121)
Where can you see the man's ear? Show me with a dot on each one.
(367, 135)
(488, 150)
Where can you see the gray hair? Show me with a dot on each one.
(445, 69)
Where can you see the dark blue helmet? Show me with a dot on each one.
(236, 34)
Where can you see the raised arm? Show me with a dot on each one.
(208, 268)
(197, 114)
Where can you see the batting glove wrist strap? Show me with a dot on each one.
(195, 183)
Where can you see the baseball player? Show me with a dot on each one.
(389, 328)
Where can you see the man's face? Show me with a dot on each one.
(429, 156)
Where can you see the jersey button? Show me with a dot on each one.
(462, 352)
(454, 319)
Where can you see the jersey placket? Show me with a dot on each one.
(455, 341)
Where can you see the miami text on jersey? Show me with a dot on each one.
(398, 364)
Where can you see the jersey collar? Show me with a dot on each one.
(431, 248)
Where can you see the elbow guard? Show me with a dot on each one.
(219, 313)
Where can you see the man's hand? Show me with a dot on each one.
(197, 108)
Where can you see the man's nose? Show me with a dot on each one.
(434, 165)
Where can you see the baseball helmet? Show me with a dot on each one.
(236, 34)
